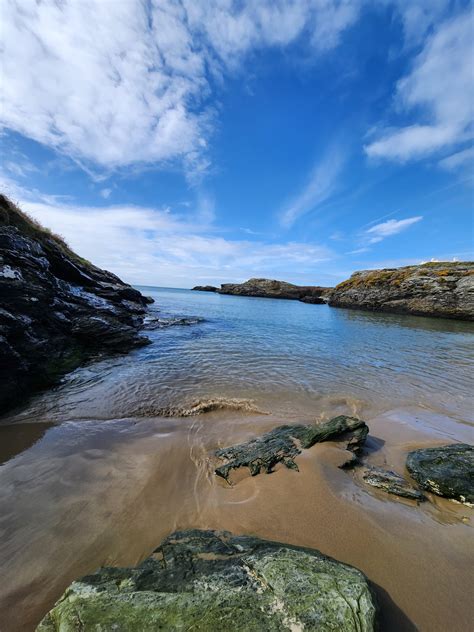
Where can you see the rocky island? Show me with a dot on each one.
(270, 288)
(57, 309)
(441, 289)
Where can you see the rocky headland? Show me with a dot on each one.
(210, 581)
(57, 310)
(205, 288)
(441, 289)
(270, 288)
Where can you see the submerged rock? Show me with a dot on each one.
(155, 321)
(392, 483)
(283, 443)
(212, 581)
(270, 288)
(446, 471)
(57, 309)
(444, 289)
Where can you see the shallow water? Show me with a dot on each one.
(94, 473)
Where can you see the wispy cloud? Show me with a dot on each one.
(440, 90)
(321, 184)
(358, 251)
(459, 159)
(390, 227)
(132, 85)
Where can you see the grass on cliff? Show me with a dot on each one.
(12, 215)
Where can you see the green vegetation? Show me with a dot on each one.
(12, 215)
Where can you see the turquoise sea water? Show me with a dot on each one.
(290, 358)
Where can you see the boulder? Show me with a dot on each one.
(284, 443)
(446, 471)
(209, 581)
(57, 309)
(392, 483)
(442, 289)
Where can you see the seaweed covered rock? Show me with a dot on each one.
(446, 471)
(284, 443)
(56, 309)
(443, 289)
(392, 483)
(211, 581)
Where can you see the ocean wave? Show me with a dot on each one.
(201, 407)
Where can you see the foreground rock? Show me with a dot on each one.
(432, 289)
(283, 444)
(269, 288)
(209, 581)
(56, 309)
(446, 471)
(392, 483)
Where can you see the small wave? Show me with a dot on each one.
(200, 407)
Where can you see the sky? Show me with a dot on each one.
(184, 142)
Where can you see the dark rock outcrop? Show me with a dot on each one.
(270, 288)
(211, 581)
(392, 483)
(446, 471)
(205, 288)
(284, 443)
(56, 309)
(444, 289)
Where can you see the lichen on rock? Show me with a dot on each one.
(211, 581)
(442, 289)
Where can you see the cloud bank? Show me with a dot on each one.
(156, 247)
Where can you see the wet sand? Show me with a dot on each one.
(90, 493)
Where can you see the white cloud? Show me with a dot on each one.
(459, 159)
(389, 228)
(418, 17)
(440, 89)
(156, 247)
(321, 184)
(113, 83)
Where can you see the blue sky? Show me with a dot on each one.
(203, 141)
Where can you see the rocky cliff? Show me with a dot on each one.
(442, 289)
(269, 288)
(56, 309)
